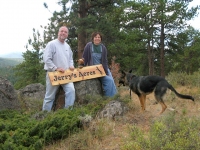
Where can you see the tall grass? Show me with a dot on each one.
(34, 129)
(168, 133)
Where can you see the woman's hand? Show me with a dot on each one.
(71, 68)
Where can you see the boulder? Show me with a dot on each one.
(33, 91)
(83, 89)
(90, 87)
(32, 96)
(8, 95)
(112, 110)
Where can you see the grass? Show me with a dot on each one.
(178, 128)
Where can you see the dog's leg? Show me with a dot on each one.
(160, 92)
(142, 99)
(144, 102)
(163, 107)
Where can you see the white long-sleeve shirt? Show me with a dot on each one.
(57, 55)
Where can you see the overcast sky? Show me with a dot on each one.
(19, 17)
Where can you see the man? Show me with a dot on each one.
(58, 57)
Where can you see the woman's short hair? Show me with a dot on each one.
(95, 34)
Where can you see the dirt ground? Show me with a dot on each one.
(120, 127)
(143, 120)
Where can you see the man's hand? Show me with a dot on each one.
(60, 70)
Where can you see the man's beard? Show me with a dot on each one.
(62, 37)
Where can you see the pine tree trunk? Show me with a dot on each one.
(82, 36)
(162, 38)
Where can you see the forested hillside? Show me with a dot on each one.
(151, 37)
(7, 62)
(6, 68)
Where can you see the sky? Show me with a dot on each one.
(19, 17)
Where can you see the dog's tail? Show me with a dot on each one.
(180, 95)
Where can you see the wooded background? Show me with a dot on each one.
(149, 36)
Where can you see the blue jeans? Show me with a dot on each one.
(108, 85)
(51, 93)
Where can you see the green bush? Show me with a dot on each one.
(21, 131)
(169, 133)
(34, 130)
(183, 79)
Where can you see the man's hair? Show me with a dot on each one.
(62, 27)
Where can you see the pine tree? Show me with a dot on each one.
(31, 69)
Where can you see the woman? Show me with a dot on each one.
(96, 53)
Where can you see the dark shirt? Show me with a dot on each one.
(96, 48)
(87, 56)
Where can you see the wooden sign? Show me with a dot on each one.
(77, 74)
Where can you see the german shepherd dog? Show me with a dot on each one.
(144, 85)
(122, 79)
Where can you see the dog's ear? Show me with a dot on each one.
(123, 72)
(130, 70)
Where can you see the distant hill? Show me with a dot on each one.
(6, 62)
(12, 55)
(6, 68)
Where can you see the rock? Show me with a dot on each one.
(8, 95)
(90, 87)
(85, 120)
(112, 110)
(83, 89)
(33, 91)
(32, 96)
